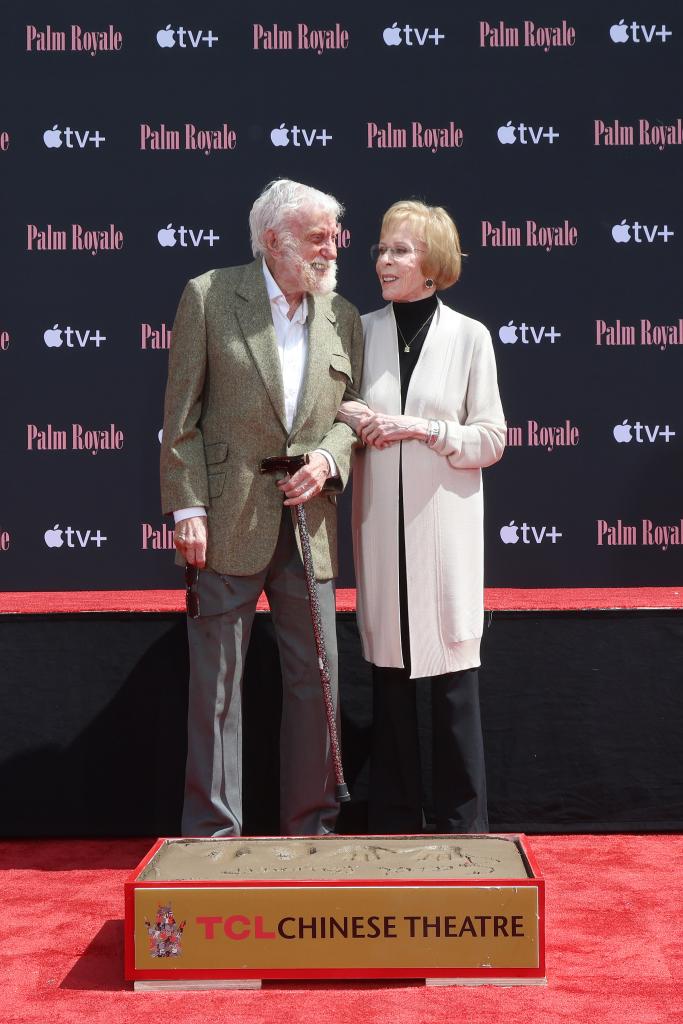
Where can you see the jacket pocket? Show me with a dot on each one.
(216, 484)
(340, 362)
(215, 451)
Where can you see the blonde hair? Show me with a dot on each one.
(443, 258)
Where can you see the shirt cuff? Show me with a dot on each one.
(334, 472)
(187, 513)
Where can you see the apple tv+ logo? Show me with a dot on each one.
(299, 136)
(185, 37)
(73, 138)
(508, 134)
(510, 333)
(641, 433)
(527, 534)
(54, 538)
(396, 34)
(635, 33)
(185, 237)
(640, 233)
(72, 337)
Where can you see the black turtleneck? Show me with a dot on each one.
(412, 317)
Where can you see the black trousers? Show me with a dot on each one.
(458, 766)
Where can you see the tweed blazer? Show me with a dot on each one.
(225, 411)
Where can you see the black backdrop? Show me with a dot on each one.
(443, 71)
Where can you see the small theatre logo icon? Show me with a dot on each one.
(165, 934)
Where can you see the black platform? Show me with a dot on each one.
(583, 718)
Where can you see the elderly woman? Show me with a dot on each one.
(433, 420)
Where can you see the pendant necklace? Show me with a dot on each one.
(407, 344)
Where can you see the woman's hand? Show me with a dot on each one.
(381, 431)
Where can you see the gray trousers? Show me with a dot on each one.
(218, 642)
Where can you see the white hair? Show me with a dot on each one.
(281, 200)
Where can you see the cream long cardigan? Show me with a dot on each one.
(455, 382)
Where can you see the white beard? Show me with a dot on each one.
(317, 282)
(313, 281)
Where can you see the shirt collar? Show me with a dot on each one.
(275, 295)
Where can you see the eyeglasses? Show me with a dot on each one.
(396, 252)
(191, 592)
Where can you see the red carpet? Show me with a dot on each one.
(614, 947)
(496, 599)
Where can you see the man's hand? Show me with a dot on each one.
(307, 482)
(355, 414)
(380, 430)
(190, 540)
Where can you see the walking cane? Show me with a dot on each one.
(290, 464)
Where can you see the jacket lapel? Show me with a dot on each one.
(254, 316)
(321, 338)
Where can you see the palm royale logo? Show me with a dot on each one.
(157, 538)
(303, 37)
(79, 438)
(416, 136)
(190, 138)
(532, 235)
(77, 239)
(547, 438)
(616, 334)
(646, 534)
(642, 133)
(76, 40)
(155, 338)
(529, 34)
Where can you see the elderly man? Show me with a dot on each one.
(261, 358)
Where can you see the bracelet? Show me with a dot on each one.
(432, 433)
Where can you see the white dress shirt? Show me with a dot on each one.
(292, 349)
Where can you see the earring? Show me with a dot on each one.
(429, 283)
